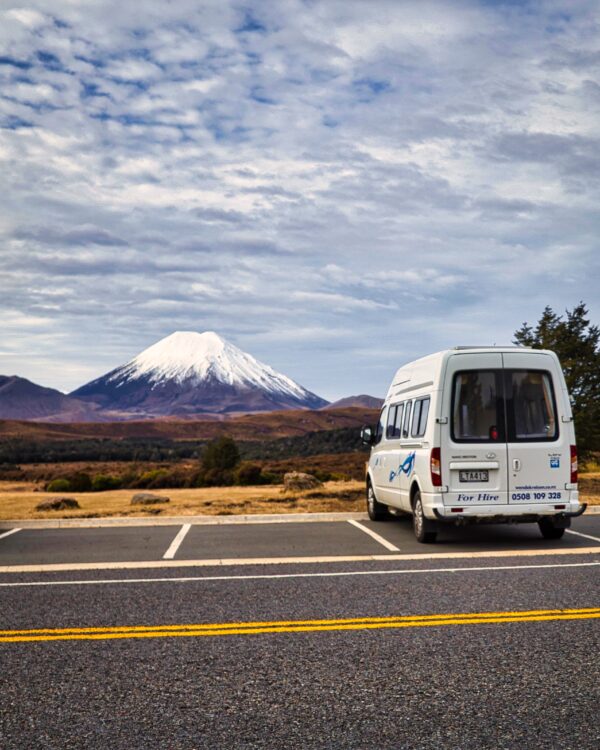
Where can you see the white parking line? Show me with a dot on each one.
(170, 553)
(337, 574)
(375, 535)
(236, 561)
(8, 533)
(585, 536)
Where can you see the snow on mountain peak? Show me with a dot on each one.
(197, 357)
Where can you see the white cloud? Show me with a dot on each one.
(26, 16)
(312, 177)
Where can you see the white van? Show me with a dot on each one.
(476, 434)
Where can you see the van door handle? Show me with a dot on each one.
(516, 464)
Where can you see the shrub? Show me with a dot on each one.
(215, 478)
(58, 485)
(154, 479)
(157, 479)
(269, 477)
(321, 474)
(248, 473)
(80, 482)
(104, 482)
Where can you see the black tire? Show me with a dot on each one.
(425, 529)
(549, 530)
(376, 510)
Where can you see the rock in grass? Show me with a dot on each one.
(148, 498)
(298, 480)
(58, 503)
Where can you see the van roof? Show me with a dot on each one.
(426, 371)
(493, 346)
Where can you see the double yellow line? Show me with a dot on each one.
(294, 626)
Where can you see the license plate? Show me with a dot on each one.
(481, 475)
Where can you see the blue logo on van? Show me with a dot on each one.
(555, 463)
(405, 467)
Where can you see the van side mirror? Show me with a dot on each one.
(367, 436)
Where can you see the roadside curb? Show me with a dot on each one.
(93, 523)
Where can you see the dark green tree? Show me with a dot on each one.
(577, 344)
(219, 459)
(221, 454)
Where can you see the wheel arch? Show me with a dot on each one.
(414, 488)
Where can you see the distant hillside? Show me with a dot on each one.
(22, 399)
(363, 401)
(249, 427)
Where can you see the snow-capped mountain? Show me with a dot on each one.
(191, 373)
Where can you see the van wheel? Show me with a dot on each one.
(376, 510)
(425, 530)
(549, 530)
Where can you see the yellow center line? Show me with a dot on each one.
(286, 623)
(294, 626)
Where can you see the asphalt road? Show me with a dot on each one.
(274, 540)
(530, 680)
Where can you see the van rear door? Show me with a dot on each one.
(538, 442)
(474, 450)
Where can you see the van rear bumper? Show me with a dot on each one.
(509, 514)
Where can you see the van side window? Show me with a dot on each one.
(389, 432)
(398, 421)
(380, 426)
(419, 420)
(406, 419)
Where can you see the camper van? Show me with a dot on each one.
(474, 435)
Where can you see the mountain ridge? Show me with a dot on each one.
(21, 398)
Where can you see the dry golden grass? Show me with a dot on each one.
(18, 501)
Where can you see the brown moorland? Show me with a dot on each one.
(343, 465)
(268, 425)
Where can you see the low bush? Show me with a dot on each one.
(58, 485)
(214, 478)
(154, 479)
(105, 482)
(80, 482)
(248, 473)
(158, 479)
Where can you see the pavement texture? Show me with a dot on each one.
(510, 685)
(268, 540)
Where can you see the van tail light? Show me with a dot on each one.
(436, 467)
(574, 464)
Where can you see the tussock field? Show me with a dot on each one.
(18, 500)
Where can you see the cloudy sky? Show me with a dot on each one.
(336, 186)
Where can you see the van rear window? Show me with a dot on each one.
(477, 410)
(532, 416)
(503, 405)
